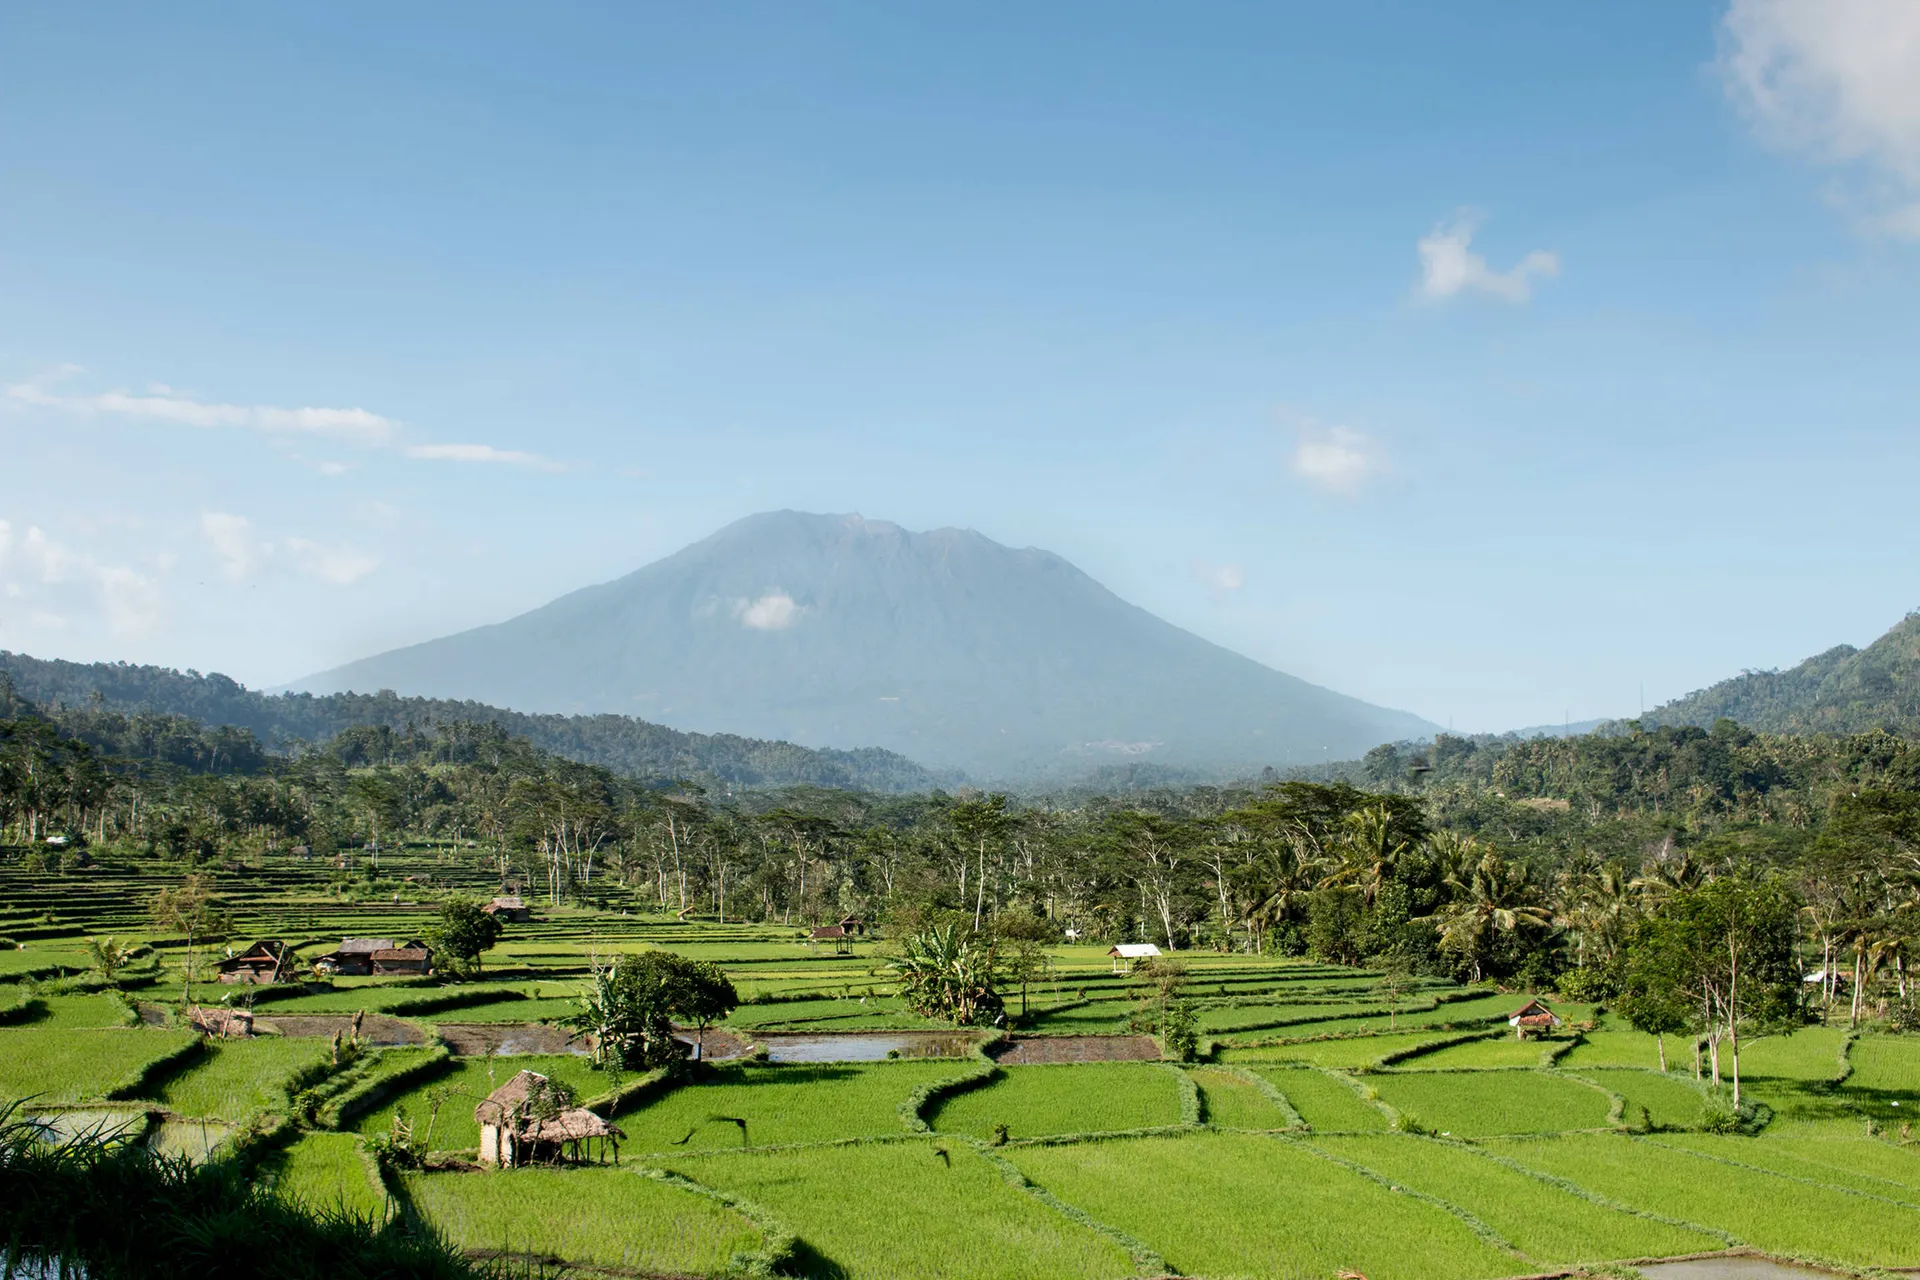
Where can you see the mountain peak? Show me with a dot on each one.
(946, 646)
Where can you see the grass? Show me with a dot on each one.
(1475, 1104)
(61, 1066)
(1090, 1097)
(1326, 1104)
(1231, 1101)
(893, 1209)
(1768, 1211)
(1239, 1204)
(469, 1082)
(328, 1171)
(781, 1104)
(233, 1079)
(1550, 1225)
(601, 1217)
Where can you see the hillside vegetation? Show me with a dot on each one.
(623, 744)
(1844, 690)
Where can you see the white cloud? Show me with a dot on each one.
(1449, 266)
(479, 453)
(1221, 577)
(230, 538)
(33, 566)
(356, 425)
(340, 565)
(1338, 459)
(774, 611)
(1839, 81)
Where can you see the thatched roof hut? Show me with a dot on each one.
(513, 1132)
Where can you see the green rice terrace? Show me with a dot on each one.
(1329, 1121)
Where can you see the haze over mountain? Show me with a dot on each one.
(844, 632)
(1844, 690)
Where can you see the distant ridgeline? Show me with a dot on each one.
(1844, 690)
(101, 702)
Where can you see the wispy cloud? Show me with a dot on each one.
(340, 565)
(774, 611)
(1221, 577)
(1449, 266)
(231, 539)
(1839, 82)
(1337, 459)
(163, 405)
(479, 453)
(34, 565)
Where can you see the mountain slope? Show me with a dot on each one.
(1844, 690)
(943, 646)
(620, 743)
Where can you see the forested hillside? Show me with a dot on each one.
(1844, 690)
(621, 743)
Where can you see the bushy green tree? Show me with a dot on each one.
(465, 931)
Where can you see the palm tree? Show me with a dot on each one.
(1369, 851)
(1499, 897)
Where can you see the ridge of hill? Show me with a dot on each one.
(945, 646)
(1844, 690)
(622, 744)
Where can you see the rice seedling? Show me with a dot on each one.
(1474, 1103)
(1230, 1101)
(1505, 1051)
(56, 1066)
(911, 1208)
(1354, 1051)
(1769, 1211)
(1670, 1101)
(764, 1105)
(1848, 1163)
(1885, 1082)
(1623, 1048)
(70, 1011)
(600, 1217)
(192, 1140)
(327, 1171)
(1327, 1104)
(1090, 1097)
(1546, 1222)
(232, 1079)
(1213, 1204)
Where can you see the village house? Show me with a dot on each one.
(512, 1132)
(1128, 954)
(268, 960)
(1534, 1017)
(510, 908)
(358, 957)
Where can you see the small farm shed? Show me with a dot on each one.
(511, 908)
(854, 925)
(1128, 954)
(415, 957)
(836, 934)
(353, 956)
(1534, 1017)
(268, 960)
(511, 1133)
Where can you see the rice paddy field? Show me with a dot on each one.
(1320, 1133)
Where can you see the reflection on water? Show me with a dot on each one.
(854, 1046)
(1729, 1269)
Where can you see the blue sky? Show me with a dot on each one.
(1490, 362)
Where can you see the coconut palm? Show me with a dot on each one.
(1498, 897)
